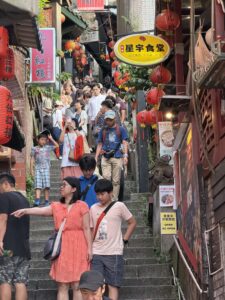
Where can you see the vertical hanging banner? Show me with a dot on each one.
(166, 139)
(90, 5)
(43, 63)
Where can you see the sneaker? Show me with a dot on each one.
(60, 157)
(46, 203)
(36, 203)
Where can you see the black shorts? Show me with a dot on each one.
(111, 266)
(14, 270)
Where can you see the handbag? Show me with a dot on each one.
(76, 154)
(52, 247)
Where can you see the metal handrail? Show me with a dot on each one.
(187, 266)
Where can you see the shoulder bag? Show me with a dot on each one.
(101, 218)
(76, 154)
(52, 247)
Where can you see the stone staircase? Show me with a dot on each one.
(145, 276)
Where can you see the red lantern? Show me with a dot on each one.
(117, 74)
(4, 41)
(70, 45)
(115, 63)
(111, 44)
(77, 46)
(160, 75)
(7, 66)
(6, 115)
(112, 55)
(168, 20)
(84, 60)
(76, 53)
(154, 95)
(63, 18)
(149, 117)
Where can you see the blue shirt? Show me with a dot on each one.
(113, 140)
(91, 197)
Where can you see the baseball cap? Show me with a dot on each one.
(91, 280)
(45, 132)
(110, 114)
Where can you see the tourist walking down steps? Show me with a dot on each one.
(76, 248)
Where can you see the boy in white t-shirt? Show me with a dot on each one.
(109, 242)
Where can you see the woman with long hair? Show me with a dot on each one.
(76, 247)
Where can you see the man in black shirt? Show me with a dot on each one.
(92, 286)
(14, 241)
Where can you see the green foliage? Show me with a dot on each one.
(139, 76)
(64, 76)
(30, 188)
(35, 90)
(42, 5)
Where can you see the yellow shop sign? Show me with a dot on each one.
(142, 50)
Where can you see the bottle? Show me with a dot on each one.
(7, 253)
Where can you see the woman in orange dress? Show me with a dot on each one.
(76, 247)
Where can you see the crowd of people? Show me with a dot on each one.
(92, 242)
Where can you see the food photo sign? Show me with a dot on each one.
(166, 195)
(166, 139)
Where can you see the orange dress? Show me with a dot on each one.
(72, 261)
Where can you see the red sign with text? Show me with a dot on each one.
(90, 4)
(43, 64)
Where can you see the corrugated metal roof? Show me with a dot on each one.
(22, 26)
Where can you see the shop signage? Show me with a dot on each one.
(90, 4)
(168, 223)
(166, 139)
(43, 63)
(142, 50)
(166, 195)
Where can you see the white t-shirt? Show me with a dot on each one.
(109, 239)
(57, 118)
(84, 119)
(95, 106)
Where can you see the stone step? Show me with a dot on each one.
(50, 284)
(135, 292)
(43, 234)
(139, 292)
(130, 272)
(131, 252)
(41, 263)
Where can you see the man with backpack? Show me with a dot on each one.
(113, 146)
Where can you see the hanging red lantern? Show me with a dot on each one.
(6, 115)
(111, 44)
(7, 66)
(4, 41)
(76, 53)
(77, 46)
(63, 18)
(149, 117)
(84, 60)
(115, 63)
(161, 75)
(154, 95)
(70, 45)
(112, 55)
(117, 74)
(167, 20)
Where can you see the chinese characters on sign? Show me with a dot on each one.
(168, 223)
(43, 64)
(142, 50)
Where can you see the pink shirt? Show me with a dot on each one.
(109, 239)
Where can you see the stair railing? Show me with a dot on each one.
(177, 284)
(201, 291)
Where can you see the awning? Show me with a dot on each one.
(21, 23)
(73, 26)
(17, 141)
